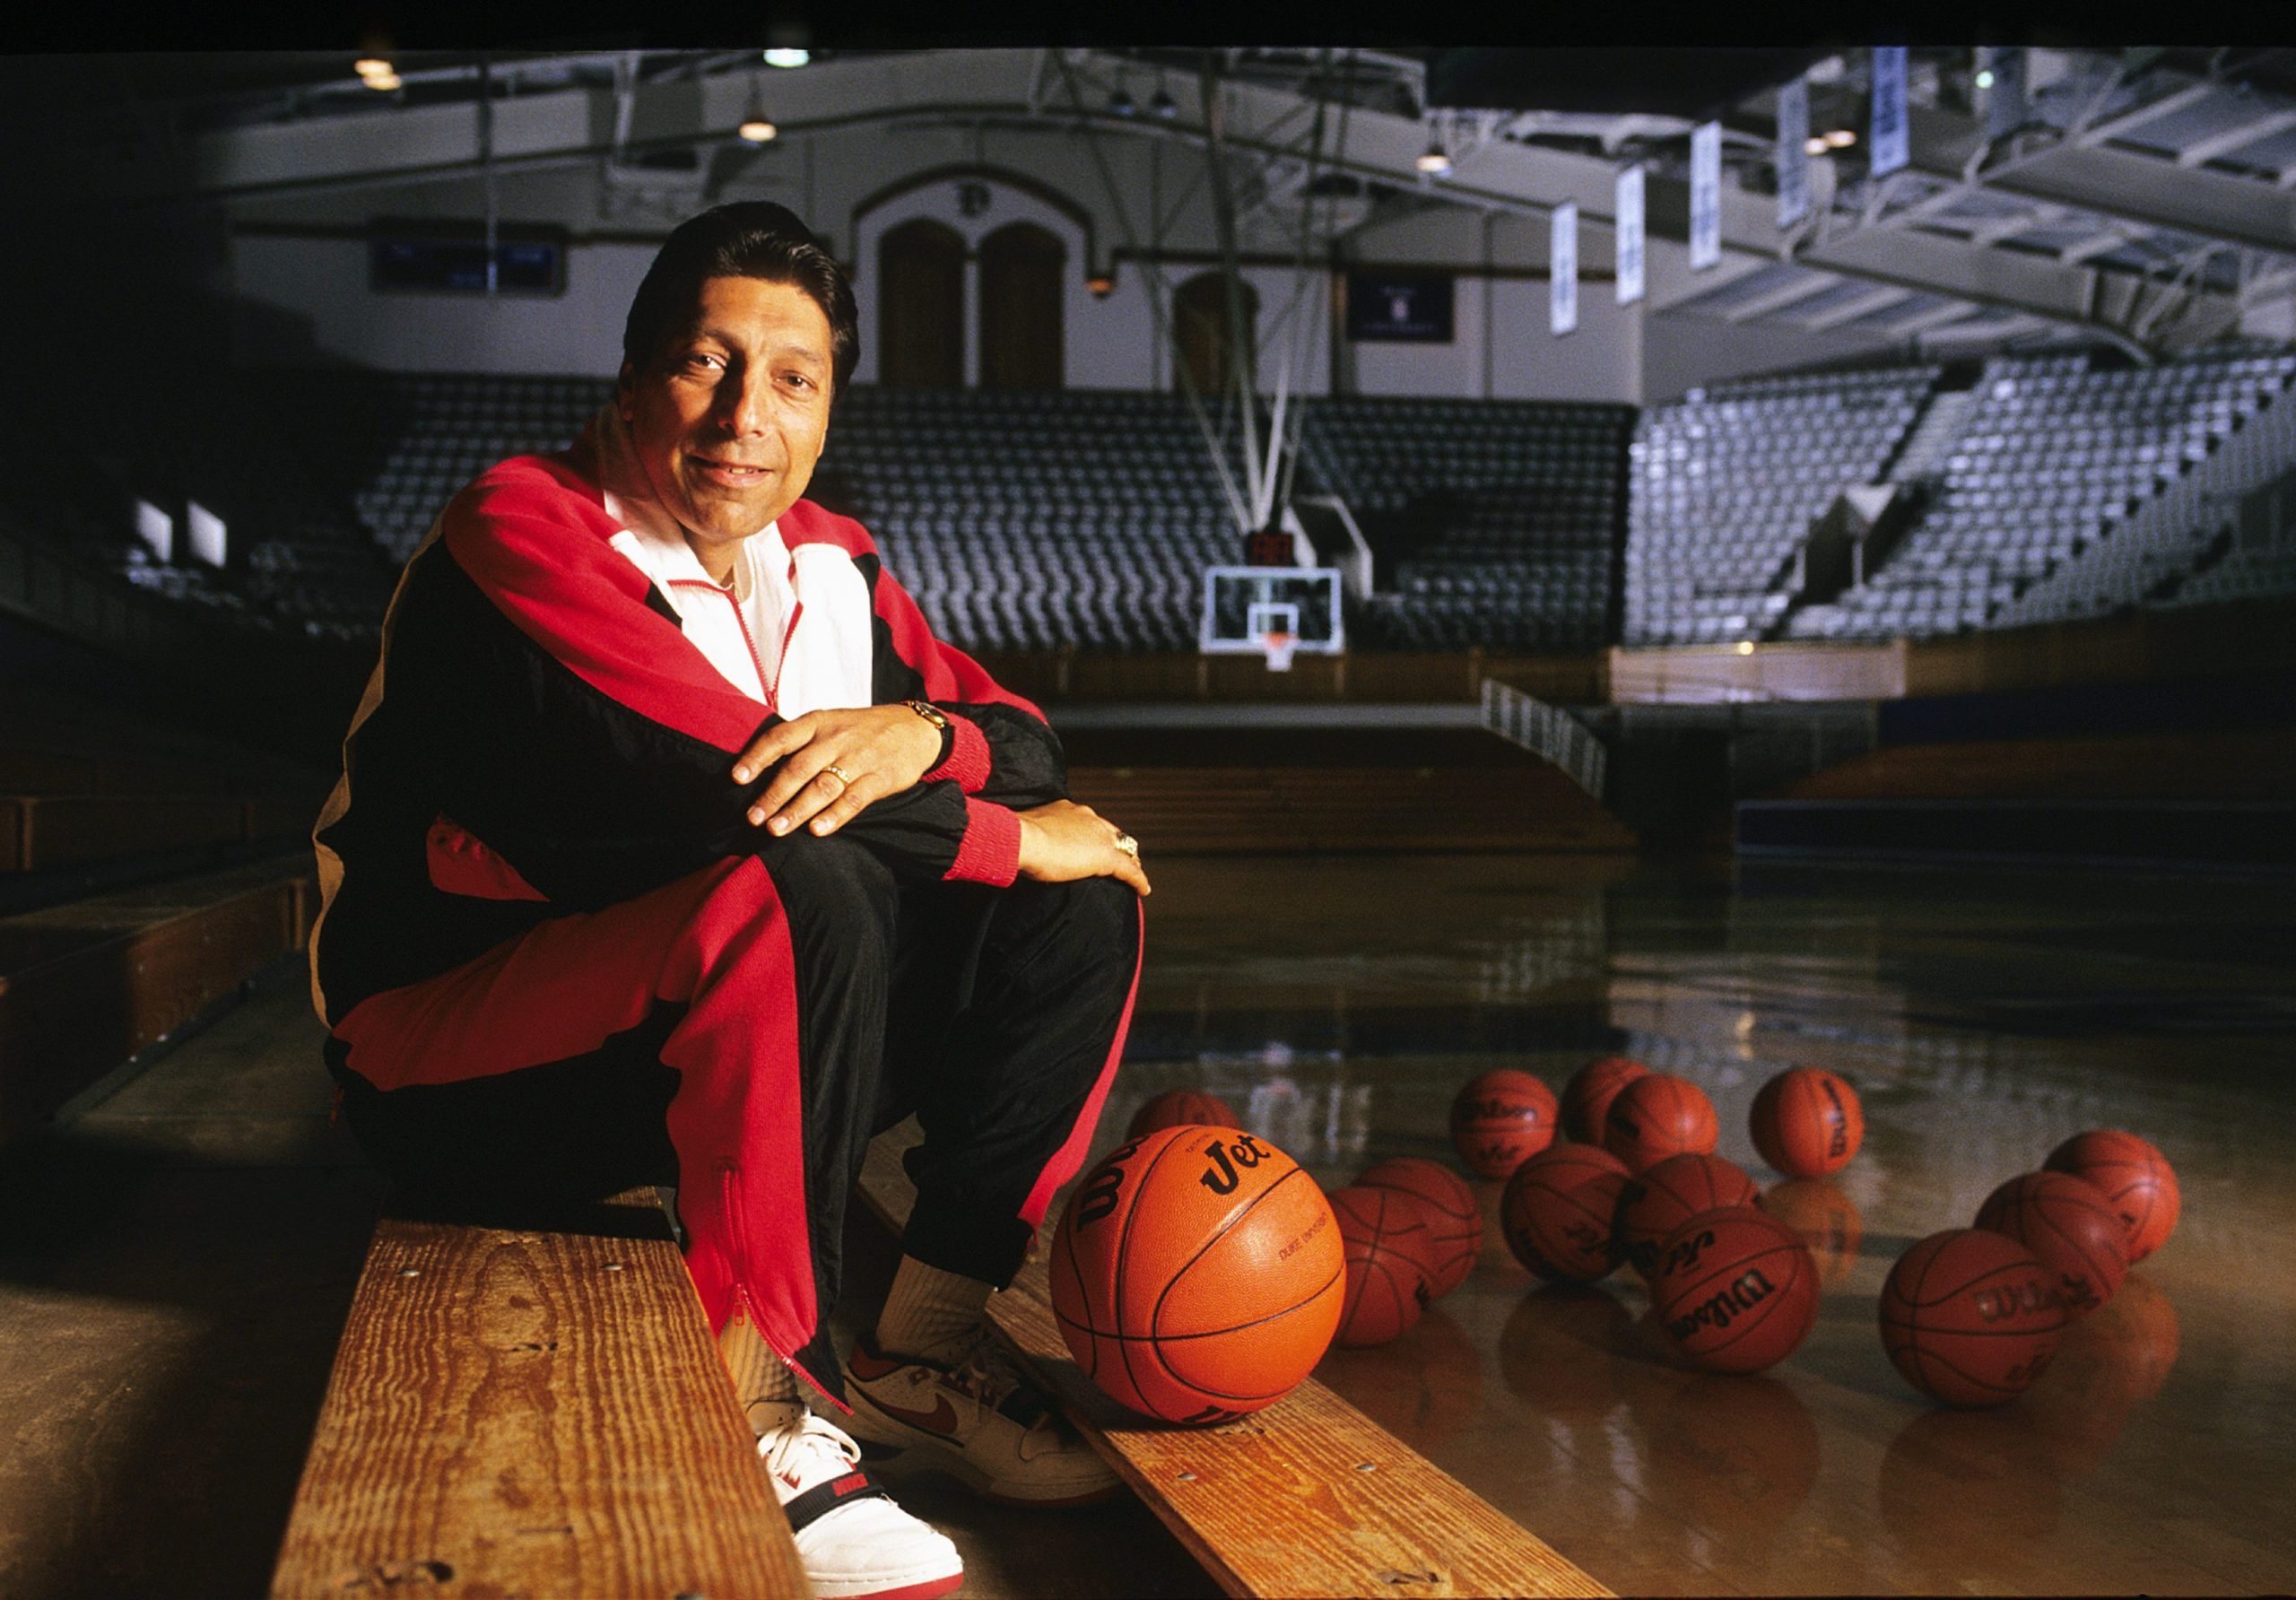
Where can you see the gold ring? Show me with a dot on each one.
(1129, 844)
(841, 775)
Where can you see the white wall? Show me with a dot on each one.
(1681, 352)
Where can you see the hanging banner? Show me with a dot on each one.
(1887, 145)
(1630, 236)
(1793, 153)
(2004, 98)
(1562, 268)
(1705, 196)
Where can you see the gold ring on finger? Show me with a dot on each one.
(840, 773)
(1129, 844)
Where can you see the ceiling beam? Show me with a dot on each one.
(1850, 310)
(1774, 299)
(2233, 138)
(1905, 327)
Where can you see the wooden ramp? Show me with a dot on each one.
(533, 1412)
(1307, 1498)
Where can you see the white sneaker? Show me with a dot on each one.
(852, 1539)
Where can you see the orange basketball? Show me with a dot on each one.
(1807, 1122)
(2071, 1229)
(1826, 1219)
(1655, 1203)
(1970, 1317)
(1179, 1108)
(1659, 1115)
(1587, 1097)
(1455, 1223)
(1558, 1209)
(1501, 1120)
(1198, 1275)
(1735, 1289)
(2135, 1177)
(1385, 1234)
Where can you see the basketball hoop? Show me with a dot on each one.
(1277, 647)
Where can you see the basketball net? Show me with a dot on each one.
(1277, 647)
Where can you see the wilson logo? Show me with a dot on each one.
(2021, 1299)
(1749, 1289)
(1102, 1187)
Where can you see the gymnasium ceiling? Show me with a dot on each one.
(2145, 197)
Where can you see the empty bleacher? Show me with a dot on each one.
(1726, 483)
(1496, 521)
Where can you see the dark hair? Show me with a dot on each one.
(750, 238)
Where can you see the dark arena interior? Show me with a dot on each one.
(1735, 559)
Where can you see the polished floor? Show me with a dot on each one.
(175, 1263)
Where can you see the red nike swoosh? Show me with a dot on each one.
(941, 1418)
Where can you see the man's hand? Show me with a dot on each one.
(880, 750)
(1065, 841)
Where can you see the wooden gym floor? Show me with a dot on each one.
(174, 1263)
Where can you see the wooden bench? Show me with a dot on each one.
(534, 1411)
(1309, 1497)
(87, 985)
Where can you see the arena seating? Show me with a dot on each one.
(1495, 520)
(1725, 484)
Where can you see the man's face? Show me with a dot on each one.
(730, 411)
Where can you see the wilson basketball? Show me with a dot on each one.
(1826, 1219)
(1558, 1210)
(1657, 1202)
(1386, 1236)
(1179, 1108)
(1587, 1097)
(1501, 1119)
(1971, 1317)
(1807, 1122)
(1198, 1275)
(1454, 1221)
(2071, 1229)
(1735, 1289)
(2133, 1175)
(1659, 1115)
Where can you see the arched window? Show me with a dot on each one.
(921, 306)
(1200, 332)
(1022, 269)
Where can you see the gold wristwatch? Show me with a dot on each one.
(932, 714)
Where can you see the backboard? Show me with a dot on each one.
(1272, 611)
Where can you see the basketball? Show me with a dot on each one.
(1659, 1115)
(1386, 1235)
(2071, 1229)
(1179, 1108)
(1971, 1317)
(1807, 1123)
(2133, 1175)
(1587, 1097)
(1501, 1119)
(1558, 1210)
(1454, 1221)
(1198, 1275)
(1826, 1219)
(1655, 1203)
(1735, 1289)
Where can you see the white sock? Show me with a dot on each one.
(929, 1311)
(762, 1381)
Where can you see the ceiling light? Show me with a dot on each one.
(757, 130)
(1437, 162)
(1164, 105)
(1745, 646)
(384, 81)
(1984, 77)
(1101, 284)
(371, 66)
(1842, 138)
(783, 55)
(1120, 102)
(1815, 144)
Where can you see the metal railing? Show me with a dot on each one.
(1547, 732)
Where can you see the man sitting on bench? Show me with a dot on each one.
(671, 844)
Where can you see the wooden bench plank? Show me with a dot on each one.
(531, 1412)
(86, 984)
(1309, 1497)
(58, 831)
